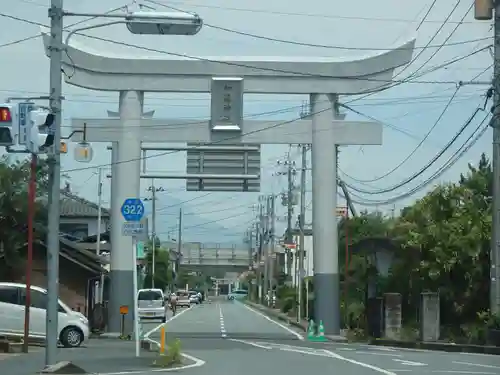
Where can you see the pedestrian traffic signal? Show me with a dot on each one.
(7, 131)
(39, 136)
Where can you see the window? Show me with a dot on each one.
(9, 294)
(38, 299)
(150, 295)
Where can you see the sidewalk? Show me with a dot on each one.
(97, 356)
(302, 325)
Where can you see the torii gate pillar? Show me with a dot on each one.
(124, 185)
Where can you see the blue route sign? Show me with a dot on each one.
(132, 209)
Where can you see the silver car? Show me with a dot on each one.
(151, 304)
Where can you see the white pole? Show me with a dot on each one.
(98, 240)
(135, 309)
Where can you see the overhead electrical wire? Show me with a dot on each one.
(429, 163)
(18, 41)
(303, 14)
(414, 59)
(446, 166)
(392, 170)
(231, 63)
(408, 157)
(304, 44)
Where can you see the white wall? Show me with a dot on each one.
(308, 260)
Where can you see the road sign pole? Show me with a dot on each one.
(135, 308)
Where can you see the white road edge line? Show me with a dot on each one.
(146, 336)
(362, 364)
(476, 364)
(251, 343)
(288, 329)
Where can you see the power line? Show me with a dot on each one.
(408, 157)
(305, 14)
(446, 166)
(428, 164)
(305, 44)
(231, 63)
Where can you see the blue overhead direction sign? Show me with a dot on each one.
(132, 209)
(23, 109)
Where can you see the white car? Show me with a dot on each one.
(151, 304)
(73, 327)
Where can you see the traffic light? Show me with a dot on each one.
(8, 133)
(39, 136)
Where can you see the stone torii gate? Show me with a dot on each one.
(321, 78)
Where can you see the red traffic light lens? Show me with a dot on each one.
(5, 115)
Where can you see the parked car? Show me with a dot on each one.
(183, 299)
(237, 294)
(151, 305)
(73, 327)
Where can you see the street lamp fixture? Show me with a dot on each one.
(164, 23)
(145, 23)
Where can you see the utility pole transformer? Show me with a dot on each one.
(485, 10)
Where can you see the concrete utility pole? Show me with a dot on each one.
(287, 200)
(262, 231)
(266, 246)
(153, 189)
(153, 225)
(54, 161)
(179, 242)
(302, 220)
(98, 239)
(272, 241)
(485, 10)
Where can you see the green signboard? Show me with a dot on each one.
(140, 250)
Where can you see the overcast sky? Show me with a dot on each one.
(408, 111)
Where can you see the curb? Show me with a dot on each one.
(289, 321)
(438, 346)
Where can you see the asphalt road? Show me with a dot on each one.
(229, 337)
(233, 338)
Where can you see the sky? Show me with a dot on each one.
(419, 118)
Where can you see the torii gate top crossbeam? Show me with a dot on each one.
(262, 75)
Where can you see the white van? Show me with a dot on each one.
(151, 304)
(73, 326)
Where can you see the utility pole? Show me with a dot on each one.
(179, 245)
(272, 242)
(54, 161)
(98, 239)
(266, 248)
(287, 199)
(261, 247)
(302, 219)
(486, 10)
(153, 189)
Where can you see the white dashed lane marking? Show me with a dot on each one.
(222, 327)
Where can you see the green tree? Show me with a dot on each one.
(446, 240)
(14, 181)
(163, 272)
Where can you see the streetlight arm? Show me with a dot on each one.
(75, 31)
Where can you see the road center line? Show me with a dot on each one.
(288, 329)
(222, 327)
